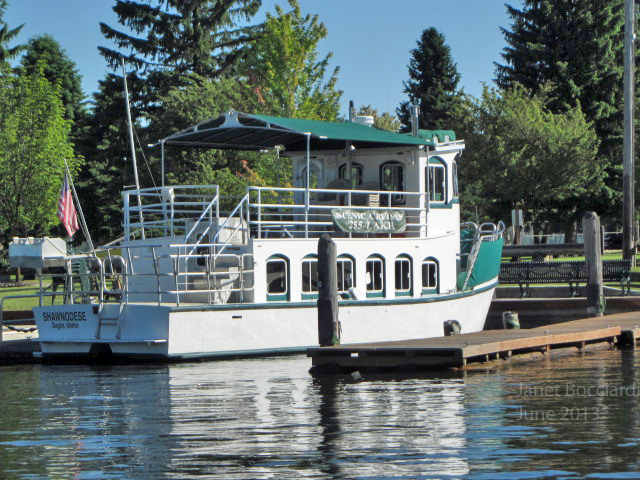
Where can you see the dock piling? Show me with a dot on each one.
(593, 259)
(328, 322)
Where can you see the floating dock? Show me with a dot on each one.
(458, 351)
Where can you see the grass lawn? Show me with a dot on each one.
(25, 303)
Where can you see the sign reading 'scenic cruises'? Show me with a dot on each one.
(369, 221)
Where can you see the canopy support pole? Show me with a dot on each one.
(306, 197)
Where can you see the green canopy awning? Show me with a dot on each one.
(241, 131)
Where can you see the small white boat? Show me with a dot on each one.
(200, 275)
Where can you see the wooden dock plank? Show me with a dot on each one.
(457, 350)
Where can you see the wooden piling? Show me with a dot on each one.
(328, 323)
(593, 259)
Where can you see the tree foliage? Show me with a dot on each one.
(433, 83)
(521, 155)
(573, 51)
(108, 169)
(33, 146)
(6, 36)
(383, 121)
(283, 67)
(169, 39)
(44, 53)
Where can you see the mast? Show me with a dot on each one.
(628, 244)
(132, 145)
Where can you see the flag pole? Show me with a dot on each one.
(83, 224)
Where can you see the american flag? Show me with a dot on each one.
(66, 209)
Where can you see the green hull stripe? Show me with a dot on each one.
(342, 303)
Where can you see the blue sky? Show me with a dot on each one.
(371, 40)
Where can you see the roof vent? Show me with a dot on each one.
(364, 120)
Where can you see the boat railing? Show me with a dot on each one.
(486, 232)
(307, 213)
(177, 274)
(169, 211)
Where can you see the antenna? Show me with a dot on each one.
(132, 145)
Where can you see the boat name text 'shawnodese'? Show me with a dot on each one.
(369, 221)
(61, 320)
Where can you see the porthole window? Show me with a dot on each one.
(403, 275)
(375, 276)
(345, 274)
(429, 276)
(392, 179)
(277, 278)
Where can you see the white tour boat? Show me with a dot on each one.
(200, 275)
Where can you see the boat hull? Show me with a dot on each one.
(185, 332)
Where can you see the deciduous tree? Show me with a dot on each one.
(284, 69)
(521, 155)
(34, 142)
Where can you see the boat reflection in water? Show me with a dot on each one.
(260, 418)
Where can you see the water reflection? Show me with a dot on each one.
(268, 418)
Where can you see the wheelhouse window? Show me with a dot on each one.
(375, 276)
(392, 179)
(429, 276)
(309, 277)
(403, 275)
(454, 174)
(277, 278)
(345, 274)
(357, 172)
(314, 177)
(437, 181)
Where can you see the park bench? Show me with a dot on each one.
(571, 272)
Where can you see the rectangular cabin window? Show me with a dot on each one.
(392, 178)
(277, 287)
(403, 276)
(375, 277)
(429, 276)
(437, 183)
(310, 276)
(345, 274)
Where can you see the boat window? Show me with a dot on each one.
(277, 274)
(310, 275)
(392, 179)
(345, 274)
(454, 174)
(375, 277)
(403, 275)
(357, 172)
(430, 276)
(314, 177)
(437, 182)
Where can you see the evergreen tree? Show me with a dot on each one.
(572, 50)
(108, 170)
(45, 53)
(171, 38)
(7, 35)
(433, 83)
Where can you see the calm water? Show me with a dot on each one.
(268, 418)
